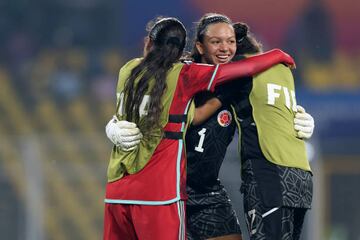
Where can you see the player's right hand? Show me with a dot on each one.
(125, 135)
(303, 123)
(286, 59)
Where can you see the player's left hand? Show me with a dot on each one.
(303, 123)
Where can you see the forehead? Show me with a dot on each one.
(220, 30)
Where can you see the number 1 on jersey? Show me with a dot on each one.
(199, 147)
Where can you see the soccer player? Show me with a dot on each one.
(145, 192)
(276, 175)
(210, 214)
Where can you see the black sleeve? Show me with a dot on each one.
(230, 92)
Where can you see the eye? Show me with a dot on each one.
(215, 42)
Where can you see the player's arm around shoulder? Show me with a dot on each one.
(202, 113)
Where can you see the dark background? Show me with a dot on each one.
(59, 62)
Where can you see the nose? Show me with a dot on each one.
(224, 47)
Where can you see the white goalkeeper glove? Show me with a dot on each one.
(123, 134)
(303, 123)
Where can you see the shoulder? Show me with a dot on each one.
(277, 69)
(130, 64)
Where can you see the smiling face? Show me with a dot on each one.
(219, 44)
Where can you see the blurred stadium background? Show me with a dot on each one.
(59, 62)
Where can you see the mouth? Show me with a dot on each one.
(223, 58)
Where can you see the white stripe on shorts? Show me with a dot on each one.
(181, 212)
(270, 212)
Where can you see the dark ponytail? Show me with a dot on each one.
(168, 37)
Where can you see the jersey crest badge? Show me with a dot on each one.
(224, 118)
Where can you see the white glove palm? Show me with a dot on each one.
(303, 123)
(123, 134)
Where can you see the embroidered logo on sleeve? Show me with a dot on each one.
(224, 118)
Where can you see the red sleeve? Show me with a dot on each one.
(199, 77)
(251, 66)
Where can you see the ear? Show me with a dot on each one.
(147, 43)
(200, 47)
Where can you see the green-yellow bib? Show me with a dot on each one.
(133, 161)
(274, 106)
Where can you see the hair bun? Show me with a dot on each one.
(241, 30)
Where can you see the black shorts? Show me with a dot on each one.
(283, 223)
(210, 215)
(267, 216)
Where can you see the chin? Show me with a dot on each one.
(222, 61)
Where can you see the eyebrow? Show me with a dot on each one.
(211, 38)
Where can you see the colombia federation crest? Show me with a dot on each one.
(224, 118)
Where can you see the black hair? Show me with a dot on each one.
(245, 41)
(168, 38)
(201, 28)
